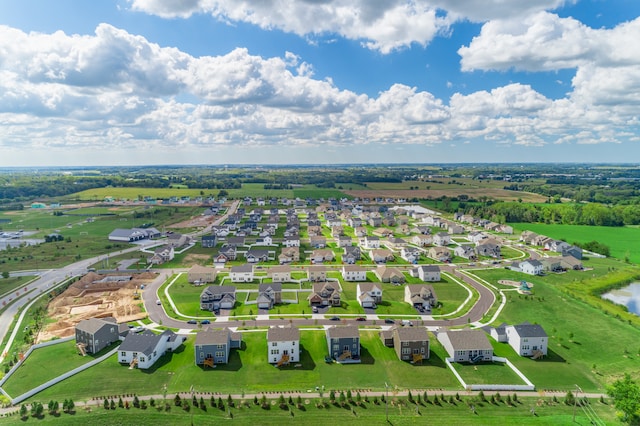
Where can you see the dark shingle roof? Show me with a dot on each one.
(283, 334)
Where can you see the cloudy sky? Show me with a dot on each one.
(120, 82)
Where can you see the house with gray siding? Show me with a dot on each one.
(466, 345)
(343, 343)
(97, 333)
(214, 346)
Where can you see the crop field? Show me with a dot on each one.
(624, 242)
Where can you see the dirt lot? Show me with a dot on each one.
(96, 296)
(195, 222)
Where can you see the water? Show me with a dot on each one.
(628, 296)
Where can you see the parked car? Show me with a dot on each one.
(335, 318)
(314, 309)
(158, 302)
(405, 323)
(204, 322)
(389, 321)
(361, 319)
(192, 322)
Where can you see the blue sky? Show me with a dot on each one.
(318, 81)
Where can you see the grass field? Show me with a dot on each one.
(587, 347)
(178, 371)
(45, 364)
(399, 412)
(487, 373)
(11, 283)
(624, 242)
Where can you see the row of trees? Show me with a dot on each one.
(36, 409)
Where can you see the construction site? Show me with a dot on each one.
(96, 296)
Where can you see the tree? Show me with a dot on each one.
(112, 404)
(626, 398)
(5, 274)
(332, 397)
(105, 404)
(70, 406)
(177, 400)
(23, 411)
(120, 403)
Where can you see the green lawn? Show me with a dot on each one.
(623, 241)
(399, 412)
(581, 336)
(45, 364)
(487, 373)
(179, 373)
(11, 283)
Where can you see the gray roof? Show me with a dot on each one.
(212, 337)
(92, 325)
(529, 330)
(464, 340)
(274, 286)
(340, 332)
(283, 334)
(144, 342)
(219, 289)
(247, 267)
(533, 262)
(412, 334)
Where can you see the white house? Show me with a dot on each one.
(369, 294)
(283, 345)
(531, 267)
(527, 339)
(371, 242)
(241, 273)
(354, 273)
(442, 239)
(427, 272)
(144, 349)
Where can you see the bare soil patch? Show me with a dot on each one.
(96, 296)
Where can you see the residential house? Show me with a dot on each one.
(215, 297)
(421, 296)
(498, 333)
(318, 242)
(571, 262)
(410, 254)
(199, 274)
(317, 273)
(427, 273)
(292, 241)
(343, 343)
(466, 345)
(369, 294)
(229, 251)
(161, 255)
(213, 347)
(209, 241)
(454, 228)
(476, 236)
(256, 255)
(441, 254)
(528, 237)
(531, 267)
(396, 243)
(142, 350)
(382, 232)
(390, 275)
(283, 345)
(442, 239)
(488, 247)
(354, 273)
(343, 241)
(264, 240)
(527, 339)
(325, 294)
(466, 252)
(280, 274)
(411, 343)
(381, 255)
(321, 256)
(289, 255)
(360, 231)
(241, 273)
(269, 295)
(314, 231)
(351, 255)
(421, 240)
(95, 334)
(556, 245)
(371, 242)
(574, 251)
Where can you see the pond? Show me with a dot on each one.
(628, 296)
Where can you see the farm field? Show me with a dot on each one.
(623, 241)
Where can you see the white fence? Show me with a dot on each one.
(494, 387)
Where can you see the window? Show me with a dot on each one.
(406, 351)
(220, 347)
(405, 343)
(219, 354)
(123, 353)
(274, 344)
